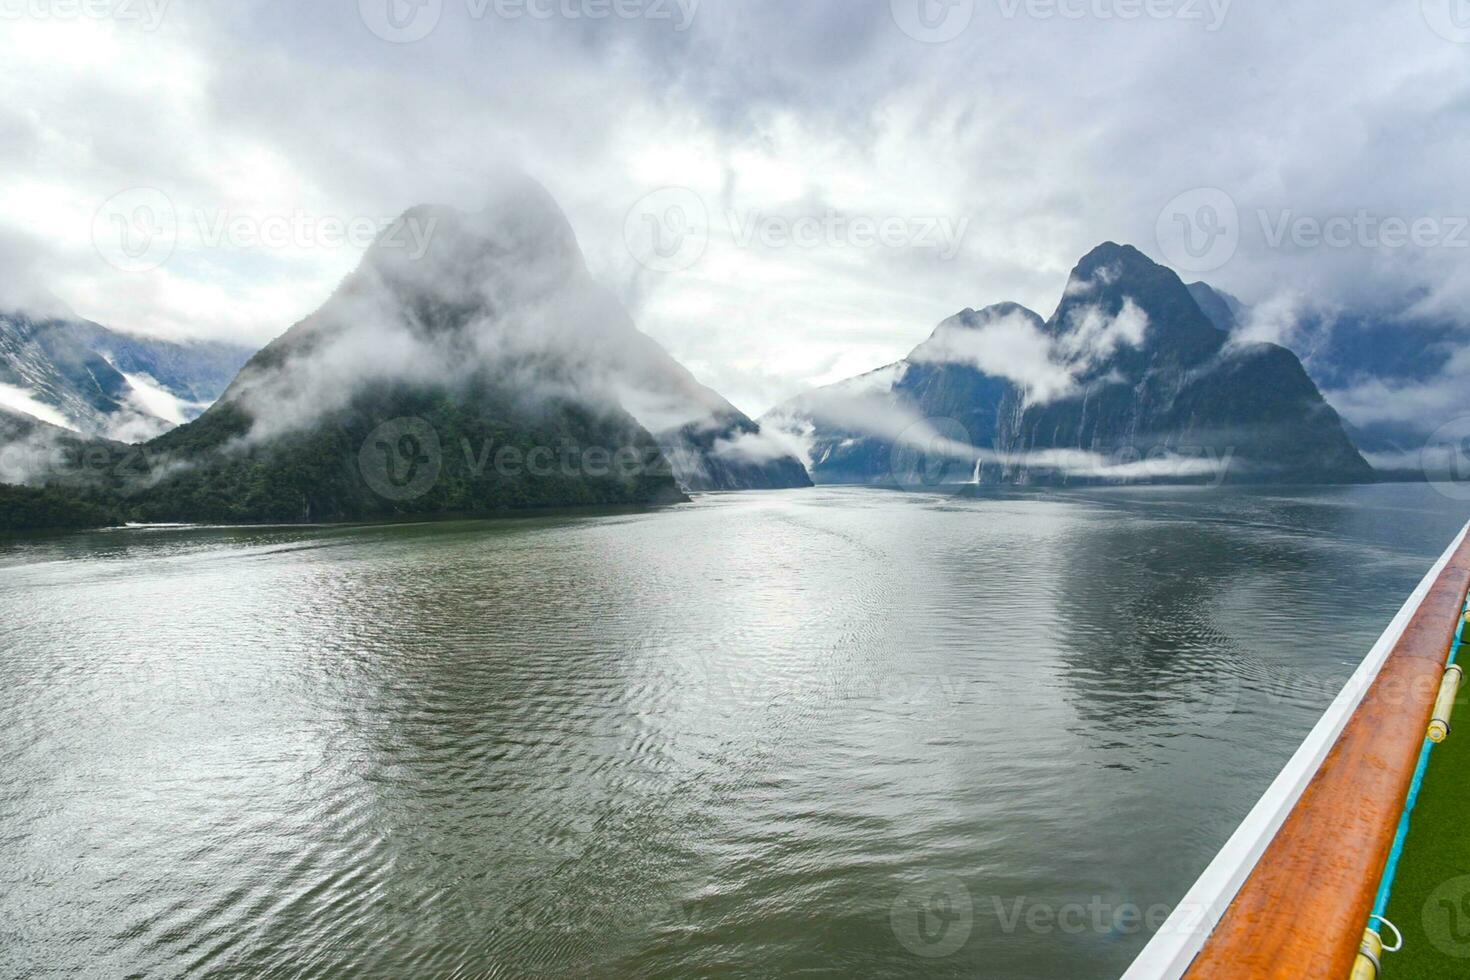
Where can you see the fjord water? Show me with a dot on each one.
(826, 732)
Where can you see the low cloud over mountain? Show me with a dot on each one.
(1129, 379)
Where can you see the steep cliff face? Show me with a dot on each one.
(1397, 372)
(1174, 386)
(1127, 379)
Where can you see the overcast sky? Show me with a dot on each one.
(827, 179)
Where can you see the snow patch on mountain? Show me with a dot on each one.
(25, 402)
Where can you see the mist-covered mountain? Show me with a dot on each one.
(487, 373)
(507, 291)
(33, 451)
(1128, 379)
(80, 375)
(1396, 377)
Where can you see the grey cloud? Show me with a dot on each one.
(1053, 134)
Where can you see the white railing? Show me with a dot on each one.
(1183, 935)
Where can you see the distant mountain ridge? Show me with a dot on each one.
(1223, 310)
(1366, 361)
(81, 375)
(497, 339)
(1127, 378)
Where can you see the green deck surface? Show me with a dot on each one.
(1431, 895)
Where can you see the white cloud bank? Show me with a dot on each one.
(1048, 134)
(1044, 366)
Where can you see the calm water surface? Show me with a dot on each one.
(823, 733)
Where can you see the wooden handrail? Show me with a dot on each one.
(1301, 913)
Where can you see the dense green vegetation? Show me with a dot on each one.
(470, 452)
(32, 508)
(318, 474)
